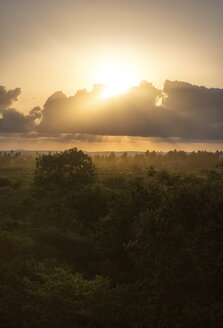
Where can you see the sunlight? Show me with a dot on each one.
(117, 77)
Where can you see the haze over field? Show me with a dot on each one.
(79, 70)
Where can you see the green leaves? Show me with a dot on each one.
(69, 169)
(136, 250)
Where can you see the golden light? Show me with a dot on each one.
(118, 78)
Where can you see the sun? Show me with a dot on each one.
(117, 78)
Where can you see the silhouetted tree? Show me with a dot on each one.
(69, 169)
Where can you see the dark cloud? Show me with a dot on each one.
(200, 109)
(86, 112)
(195, 101)
(186, 112)
(8, 97)
(12, 120)
(34, 117)
(15, 121)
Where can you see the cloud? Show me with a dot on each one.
(15, 121)
(8, 97)
(200, 109)
(11, 119)
(86, 112)
(192, 100)
(185, 111)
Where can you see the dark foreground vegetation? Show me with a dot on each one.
(127, 242)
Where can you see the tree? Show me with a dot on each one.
(69, 169)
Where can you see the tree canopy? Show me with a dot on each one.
(69, 169)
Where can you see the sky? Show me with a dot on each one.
(51, 45)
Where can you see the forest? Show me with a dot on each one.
(103, 241)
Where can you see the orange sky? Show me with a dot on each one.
(51, 45)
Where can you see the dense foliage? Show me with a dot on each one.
(69, 169)
(130, 241)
